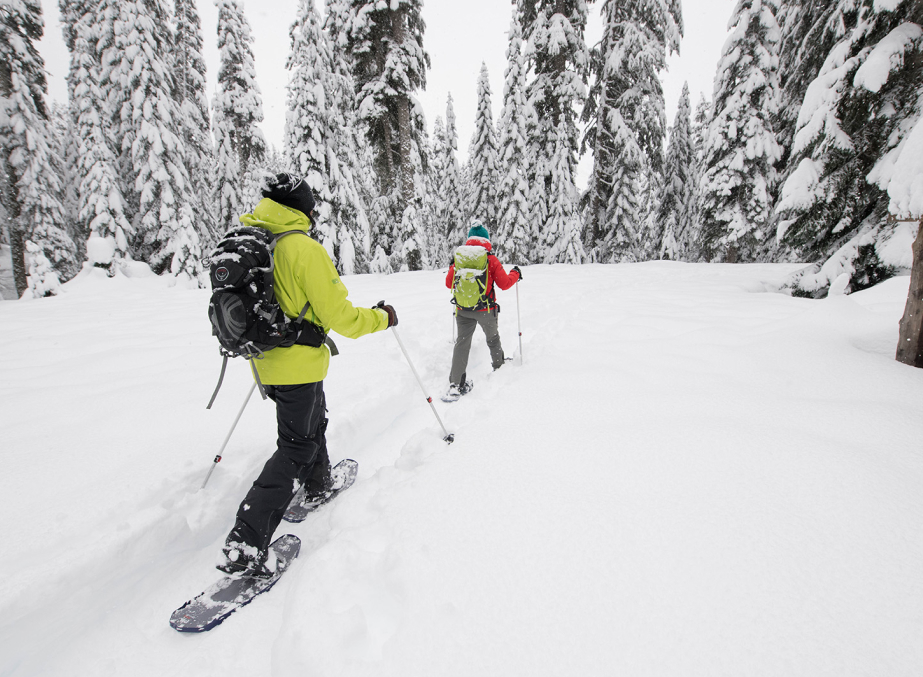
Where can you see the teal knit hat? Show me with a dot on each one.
(478, 230)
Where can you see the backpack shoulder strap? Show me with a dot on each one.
(276, 238)
(272, 247)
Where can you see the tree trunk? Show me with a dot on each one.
(403, 126)
(387, 166)
(910, 344)
(18, 254)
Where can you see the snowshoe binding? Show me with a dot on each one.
(245, 561)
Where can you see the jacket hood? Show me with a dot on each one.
(276, 218)
(479, 241)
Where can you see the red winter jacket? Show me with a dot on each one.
(494, 272)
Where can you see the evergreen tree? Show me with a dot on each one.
(100, 205)
(30, 187)
(559, 59)
(805, 43)
(442, 209)
(742, 152)
(384, 42)
(227, 193)
(455, 185)
(189, 73)
(238, 110)
(482, 159)
(626, 124)
(690, 240)
(354, 147)
(320, 137)
(675, 208)
(561, 232)
(853, 119)
(137, 80)
(516, 228)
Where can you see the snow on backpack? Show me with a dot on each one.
(469, 286)
(243, 310)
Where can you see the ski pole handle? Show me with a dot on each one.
(449, 437)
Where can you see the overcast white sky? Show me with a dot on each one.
(459, 36)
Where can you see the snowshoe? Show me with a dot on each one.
(342, 476)
(456, 391)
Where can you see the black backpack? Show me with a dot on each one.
(243, 311)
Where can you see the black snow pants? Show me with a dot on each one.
(301, 457)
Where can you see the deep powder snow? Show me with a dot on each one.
(688, 475)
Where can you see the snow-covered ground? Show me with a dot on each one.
(688, 476)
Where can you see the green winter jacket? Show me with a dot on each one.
(304, 273)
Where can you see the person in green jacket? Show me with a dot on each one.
(294, 377)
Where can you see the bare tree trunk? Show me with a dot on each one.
(910, 344)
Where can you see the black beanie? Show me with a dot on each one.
(289, 191)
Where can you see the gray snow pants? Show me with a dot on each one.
(466, 321)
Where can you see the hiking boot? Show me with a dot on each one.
(505, 360)
(456, 391)
(317, 492)
(244, 561)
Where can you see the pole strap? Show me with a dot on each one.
(224, 366)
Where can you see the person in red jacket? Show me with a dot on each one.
(466, 320)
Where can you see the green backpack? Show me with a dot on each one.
(469, 288)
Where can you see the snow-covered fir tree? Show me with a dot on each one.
(432, 237)
(418, 217)
(482, 159)
(65, 151)
(442, 209)
(238, 110)
(100, 209)
(690, 240)
(227, 191)
(676, 200)
(137, 80)
(558, 57)
(742, 152)
(449, 218)
(560, 235)
(804, 44)
(189, 73)
(627, 125)
(454, 186)
(517, 231)
(318, 135)
(384, 42)
(853, 121)
(31, 189)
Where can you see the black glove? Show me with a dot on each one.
(392, 314)
(515, 269)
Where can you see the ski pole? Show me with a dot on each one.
(449, 437)
(228, 438)
(519, 320)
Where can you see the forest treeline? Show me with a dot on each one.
(790, 160)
